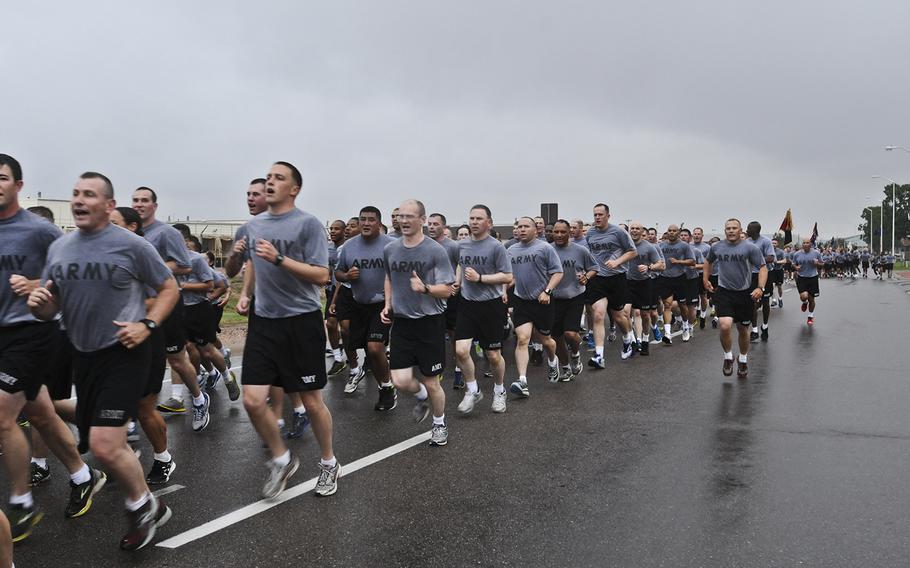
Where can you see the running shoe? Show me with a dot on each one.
(685, 335)
(520, 388)
(804, 307)
(213, 377)
(565, 375)
(132, 432)
(553, 373)
(327, 484)
(810, 321)
(596, 363)
(201, 416)
(173, 405)
(728, 367)
(701, 322)
(657, 333)
(226, 353)
(81, 495)
(161, 472)
(232, 386)
(354, 380)
(440, 435)
(575, 364)
(780, 304)
(337, 367)
(301, 421)
(143, 523)
(742, 370)
(537, 357)
(627, 350)
(667, 340)
(22, 520)
(764, 334)
(714, 322)
(458, 382)
(488, 374)
(278, 477)
(388, 399)
(753, 336)
(466, 406)
(645, 349)
(612, 335)
(499, 402)
(421, 410)
(477, 349)
(38, 474)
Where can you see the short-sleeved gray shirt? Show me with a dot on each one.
(200, 272)
(691, 271)
(679, 250)
(806, 262)
(703, 248)
(735, 263)
(609, 244)
(532, 265)
(299, 236)
(575, 259)
(99, 278)
(486, 256)
(369, 257)
(647, 255)
(429, 260)
(168, 242)
(766, 248)
(24, 240)
(452, 249)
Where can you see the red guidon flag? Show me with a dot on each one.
(787, 227)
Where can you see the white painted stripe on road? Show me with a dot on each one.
(244, 513)
(168, 489)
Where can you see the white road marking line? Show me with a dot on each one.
(253, 509)
(168, 489)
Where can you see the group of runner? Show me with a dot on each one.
(107, 300)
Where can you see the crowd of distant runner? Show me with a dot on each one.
(108, 307)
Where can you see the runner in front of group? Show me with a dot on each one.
(806, 262)
(483, 272)
(612, 247)
(418, 280)
(361, 263)
(737, 291)
(569, 298)
(536, 272)
(97, 277)
(285, 343)
(27, 349)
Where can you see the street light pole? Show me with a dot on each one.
(893, 198)
(871, 244)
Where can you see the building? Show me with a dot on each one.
(63, 216)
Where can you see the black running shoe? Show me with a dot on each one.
(666, 339)
(143, 523)
(22, 520)
(728, 367)
(301, 421)
(81, 495)
(160, 472)
(753, 336)
(701, 322)
(764, 334)
(742, 370)
(388, 399)
(645, 349)
(537, 357)
(337, 367)
(38, 475)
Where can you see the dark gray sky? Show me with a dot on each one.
(667, 111)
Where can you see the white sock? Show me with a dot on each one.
(336, 354)
(422, 393)
(728, 355)
(439, 420)
(40, 462)
(82, 475)
(644, 338)
(198, 400)
(284, 459)
(472, 387)
(668, 329)
(329, 463)
(599, 351)
(300, 410)
(136, 505)
(457, 369)
(537, 346)
(499, 389)
(523, 379)
(355, 370)
(743, 358)
(164, 456)
(754, 329)
(281, 423)
(386, 384)
(24, 499)
(630, 337)
(811, 314)
(553, 362)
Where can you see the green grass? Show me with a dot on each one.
(902, 265)
(231, 317)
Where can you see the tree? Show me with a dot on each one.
(902, 225)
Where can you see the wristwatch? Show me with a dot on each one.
(548, 291)
(150, 324)
(279, 259)
(426, 289)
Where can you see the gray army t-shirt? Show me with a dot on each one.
(532, 265)
(647, 255)
(806, 262)
(24, 239)
(486, 256)
(766, 248)
(429, 260)
(99, 278)
(735, 263)
(679, 251)
(691, 272)
(299, 236)
(452, 249)
(609, 244)
(369, 257)
(168, 242)
(200, 271)
(575, 259)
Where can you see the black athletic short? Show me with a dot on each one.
(175, 330)
(286, 352)
(865, 264)
(367, 326)
(217, 314)
(642, 295)
(567, 314)
(613, 288)
(807, 284)
(776, 277)
(26, 352)
(157, 363)
(693, 290)
(199, 323)
(108, 388)
(451, 313)
(531, 311)
(60, 375)
(769, 286)
(482, 321)
(714, 283)
(672, 287)
(889, 266)
(736, 304)
(420, 342)
(344, 303)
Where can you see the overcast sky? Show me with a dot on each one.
(667, 111)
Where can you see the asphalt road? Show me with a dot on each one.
(650, 462)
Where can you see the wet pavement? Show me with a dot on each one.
(650, 462)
